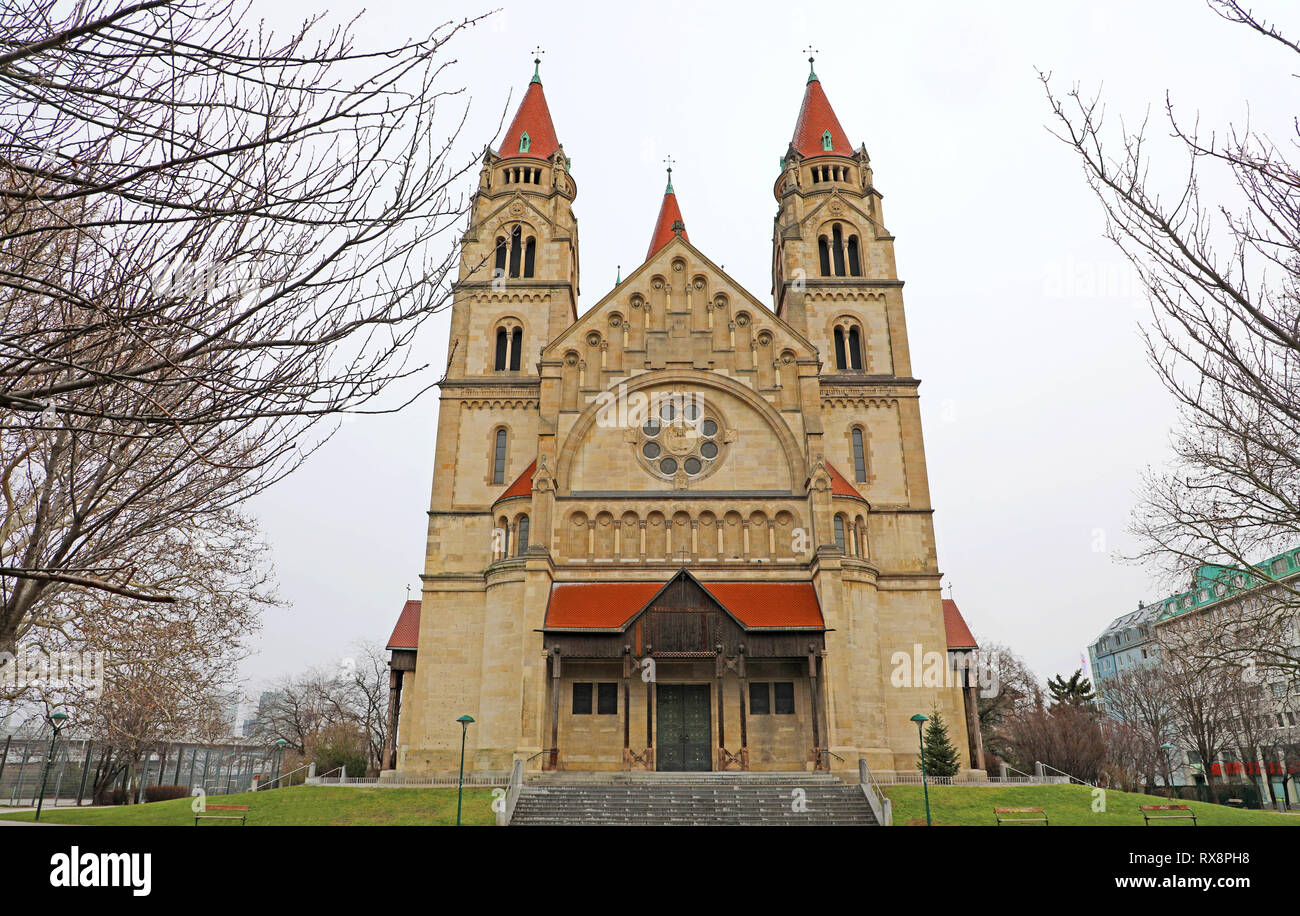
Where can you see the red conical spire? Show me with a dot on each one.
(816, 117)
(669, 215)
(533, 120)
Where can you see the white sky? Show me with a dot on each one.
(1039, 411)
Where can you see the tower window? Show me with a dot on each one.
(530, 255)
(516, 243)
(855, 263)
(521, 539)
(859, 457)
(502, 347)
(499, 458)
(516, 348)
(840, 362)
(839, 532)
(837, 252)
(827, 143)
(499, 268)
(823, 256)
(855, 349)
(524, 142)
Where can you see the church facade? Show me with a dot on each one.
(684, 529)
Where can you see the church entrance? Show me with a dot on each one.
(684, 738)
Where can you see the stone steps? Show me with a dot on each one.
(719, 804)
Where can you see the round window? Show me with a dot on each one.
(681, 436)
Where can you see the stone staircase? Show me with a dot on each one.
(691, 800)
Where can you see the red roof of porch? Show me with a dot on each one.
(610, 605)
(406, 635)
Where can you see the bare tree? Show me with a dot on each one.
(211, 239)
(1139, 699)
(1014, 687)
(1224, 337)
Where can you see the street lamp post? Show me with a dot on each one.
(57, 720)
(279, 759)
(460, 783)
(920, 721)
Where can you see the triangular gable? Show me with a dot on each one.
(610, 302)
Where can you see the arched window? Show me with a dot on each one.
(859, 457)
(855, 349)
(516, 348)
(502, 347)
(524, 142)
(824, 256)
(530, 255)
(521, 538)
(855, 264)
(839, 532)
(499, 269)
(499, 458)
(839, 348)
(837, 250)
(503, 525)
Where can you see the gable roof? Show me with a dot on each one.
(754, 605)
(954, 625)
(406, 634)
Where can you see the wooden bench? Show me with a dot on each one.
(1003, 816)
(242, 816)
(1184, 812)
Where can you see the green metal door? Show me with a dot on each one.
(684, 734)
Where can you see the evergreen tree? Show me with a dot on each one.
(1077, 691)
(940, 754)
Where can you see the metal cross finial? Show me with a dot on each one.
(668, 160)
(537, 63)
(812, 53)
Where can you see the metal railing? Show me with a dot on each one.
(881, 806)
(512, 794)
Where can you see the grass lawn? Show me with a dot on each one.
(1065, 805)
(333, 806)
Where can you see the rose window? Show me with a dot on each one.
(681, 438)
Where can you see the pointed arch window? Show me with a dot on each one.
(521, 538)
(855, 349)
(827, 143)
(837, 250)
(516, 348)
(524, 142)
(859, 456)
(499, 458)
(824, 256)
(839, 532)
(855, 262)
(839, 348)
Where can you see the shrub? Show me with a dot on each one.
(162, 793)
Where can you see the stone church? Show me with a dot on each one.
(683, 529)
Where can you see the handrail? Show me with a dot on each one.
(278, 778)
(1048, 766)
(512, 793)
(881, 805)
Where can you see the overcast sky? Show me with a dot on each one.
(1039, 410)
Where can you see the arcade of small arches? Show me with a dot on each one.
(509, 346)
(706, 536)
(516, 254)
(839, 251)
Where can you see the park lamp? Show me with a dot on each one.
(920, 721)
(57, 720)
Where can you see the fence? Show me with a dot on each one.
(218, 769)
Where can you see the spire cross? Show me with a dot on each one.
(668, 160)
(811, 52)
(537, 63)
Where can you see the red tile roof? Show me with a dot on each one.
(610, 605)
(959, 635)
(669, 213)
(534, 117)
(406, 635)
(523, 485)
(840, 485)
(816, 117)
